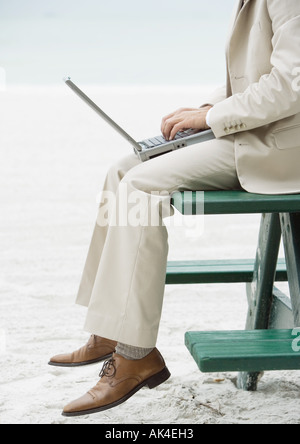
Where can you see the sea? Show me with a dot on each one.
(132, 42)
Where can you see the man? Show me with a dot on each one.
(256, 121)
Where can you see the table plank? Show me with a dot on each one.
(233, 202)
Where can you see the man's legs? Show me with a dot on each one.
(124, 277)
(124, 280)
(97, 348)
(111, 184)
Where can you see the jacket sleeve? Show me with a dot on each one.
(276, 95)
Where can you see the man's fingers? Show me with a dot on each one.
(168, 117)
(176, 113)
(164, 122)
(176, 128)
(170, 124)
(175, 124)
(184, 119)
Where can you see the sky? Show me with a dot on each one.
(128, 8)
(118, 42)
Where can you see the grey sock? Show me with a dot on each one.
(132, 353)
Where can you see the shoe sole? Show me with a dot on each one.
(152, 383)
(80, 364)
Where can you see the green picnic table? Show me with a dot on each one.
(268, 342)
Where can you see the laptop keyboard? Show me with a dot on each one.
(160, 140)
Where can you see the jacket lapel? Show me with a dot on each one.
(241, 10)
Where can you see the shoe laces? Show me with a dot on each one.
(106, 369)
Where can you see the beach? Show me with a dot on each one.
(54, 154)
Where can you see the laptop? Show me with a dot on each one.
(149, 148)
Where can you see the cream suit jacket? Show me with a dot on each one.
(260, 104)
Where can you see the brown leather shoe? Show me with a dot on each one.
(120, 379)
(96, 350)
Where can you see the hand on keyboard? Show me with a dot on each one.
(183, 119)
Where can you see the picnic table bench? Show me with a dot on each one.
(267, 342)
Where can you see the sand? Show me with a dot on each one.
(54, 155)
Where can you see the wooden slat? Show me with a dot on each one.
(243, 351)
(219, 271)
(234, 202)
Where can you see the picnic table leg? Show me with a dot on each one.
(290, 225)
(260, 291)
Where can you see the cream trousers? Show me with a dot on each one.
(124, 277)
